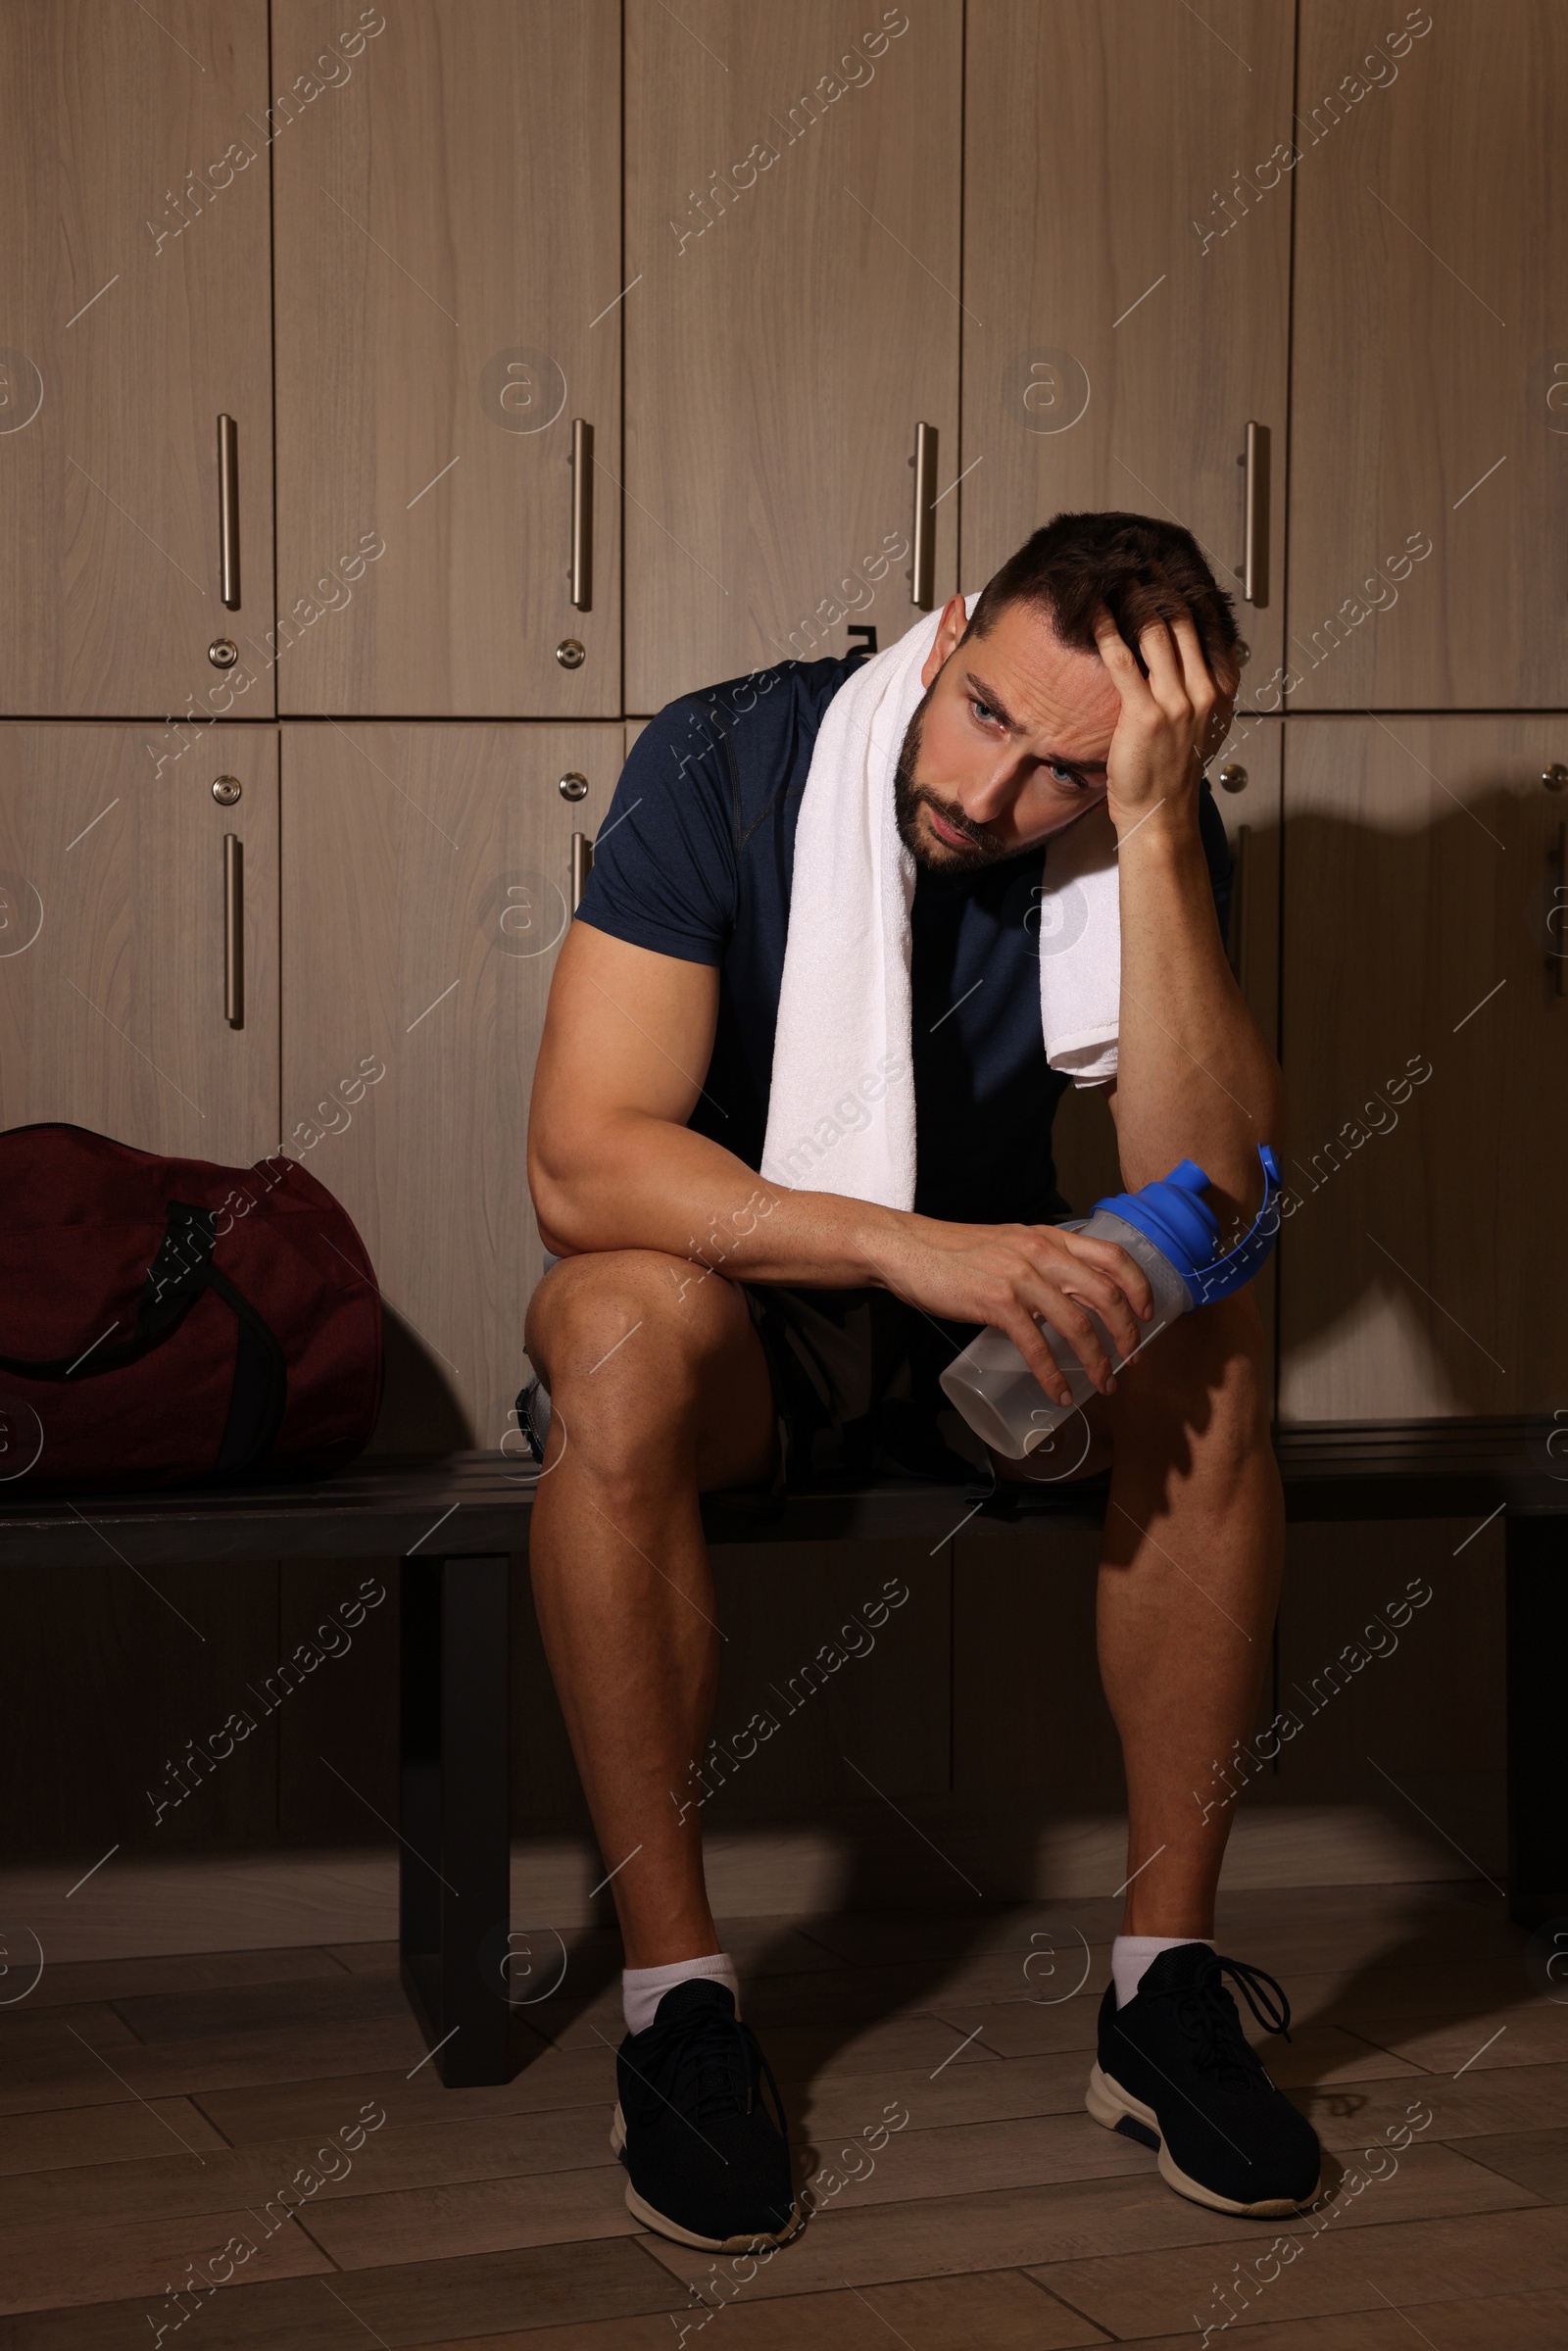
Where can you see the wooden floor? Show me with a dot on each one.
(152, 2111)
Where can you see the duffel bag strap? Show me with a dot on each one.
(175, 1279)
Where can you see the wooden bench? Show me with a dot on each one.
(454, 1522)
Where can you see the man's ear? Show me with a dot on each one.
(949, 629)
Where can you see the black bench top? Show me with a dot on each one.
(455, 1504)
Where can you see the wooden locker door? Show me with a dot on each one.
(1429, 452)
(133, 188)
(793, 246)
(1426, 1067)
(449, 259)
(113, 1003)
(1126, 300)
(426, 879)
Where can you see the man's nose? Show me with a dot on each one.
(993, 794)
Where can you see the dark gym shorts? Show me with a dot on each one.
(855, 1375)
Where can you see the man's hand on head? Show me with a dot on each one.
(1172, 721)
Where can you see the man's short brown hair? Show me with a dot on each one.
(1140, 567)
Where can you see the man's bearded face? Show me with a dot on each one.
(910, 795)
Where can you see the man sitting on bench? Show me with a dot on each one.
(746, 1300)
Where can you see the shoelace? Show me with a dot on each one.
(704, 2065)
(1206, 2012)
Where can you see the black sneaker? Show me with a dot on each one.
(705, 2161)
(1177, 2073)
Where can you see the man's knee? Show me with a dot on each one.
(622, 1319)
(1209, 1373)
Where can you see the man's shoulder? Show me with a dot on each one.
(745, 737)
(708, 794)
(785, 692)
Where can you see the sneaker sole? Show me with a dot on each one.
(1113, 2106)
(756, 2241)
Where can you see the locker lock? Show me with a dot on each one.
(1555, 777)
(1233, 776)
(226, 790)
(574, 786)
(570, 653)
(223, 653)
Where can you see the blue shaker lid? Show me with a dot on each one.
(1177, 1220)
(1183, 1228)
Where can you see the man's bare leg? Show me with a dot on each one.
(1189, 1583)
(659, 1390)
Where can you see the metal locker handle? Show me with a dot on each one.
(1254, 547)
(234, 930)
(582, 515)
(228, 512)
(923, 567)
(582, 866)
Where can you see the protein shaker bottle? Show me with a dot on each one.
(1173, 1235)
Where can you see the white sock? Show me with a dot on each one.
(1130, 1954)
(643, 1987)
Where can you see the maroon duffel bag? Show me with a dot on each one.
(165, 1320)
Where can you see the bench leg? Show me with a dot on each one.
(454, 1893)
(1538, 1754)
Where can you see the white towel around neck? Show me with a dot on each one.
(841, 1109)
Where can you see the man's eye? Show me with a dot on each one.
(1063, 775)
(982, 710)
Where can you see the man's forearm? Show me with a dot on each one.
(1196, 1077)
(643, 1182)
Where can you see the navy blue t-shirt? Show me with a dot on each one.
(695, 860)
